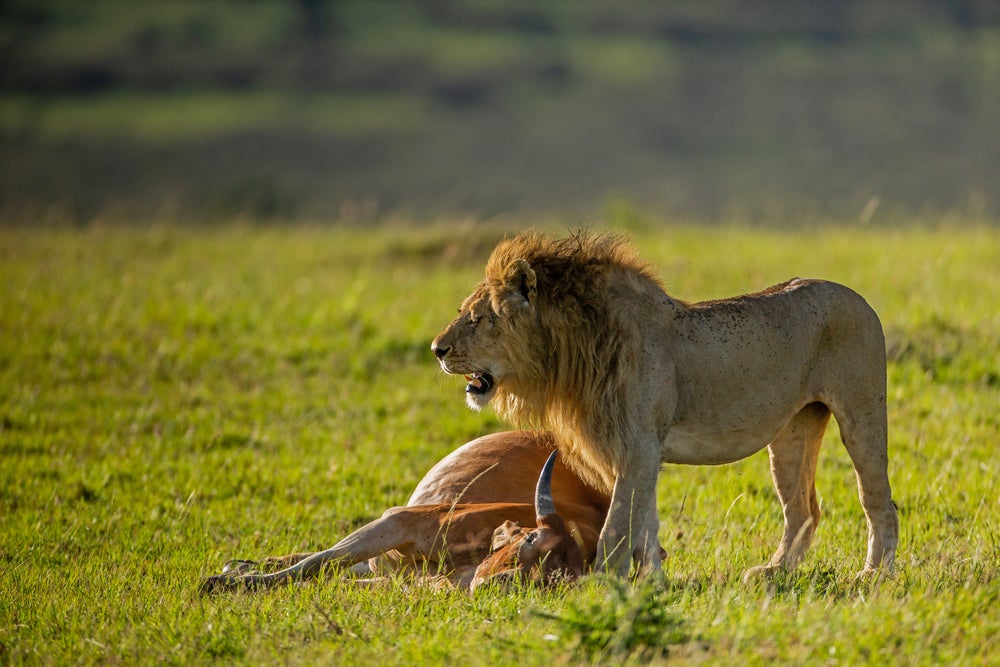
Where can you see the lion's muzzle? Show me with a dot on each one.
(440, 351)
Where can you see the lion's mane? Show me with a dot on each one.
(573, 378)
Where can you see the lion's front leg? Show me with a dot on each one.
(630, 530)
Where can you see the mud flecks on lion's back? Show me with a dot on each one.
(578, 335)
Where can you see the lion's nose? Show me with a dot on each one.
(439, 350)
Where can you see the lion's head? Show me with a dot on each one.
(490, 342)
(542, 339)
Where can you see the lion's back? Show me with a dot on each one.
(802, 304)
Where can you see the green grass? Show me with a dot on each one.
(173, 397)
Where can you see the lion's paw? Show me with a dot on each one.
(761, 573)
(871, 576)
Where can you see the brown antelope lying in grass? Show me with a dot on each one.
(463, 524)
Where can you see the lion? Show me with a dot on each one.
(578, 335)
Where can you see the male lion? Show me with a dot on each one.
(578, 334)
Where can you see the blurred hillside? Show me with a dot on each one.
(346, 110)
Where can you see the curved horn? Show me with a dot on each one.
(544, 505)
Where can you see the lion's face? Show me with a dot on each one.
(491, 337)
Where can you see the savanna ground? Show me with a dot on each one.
(171, 398)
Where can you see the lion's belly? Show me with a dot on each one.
(702, 447)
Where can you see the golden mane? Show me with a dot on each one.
(588, 350)
(576, 259)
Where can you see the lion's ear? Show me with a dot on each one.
(522, 281)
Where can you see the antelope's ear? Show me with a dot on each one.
(522, 282)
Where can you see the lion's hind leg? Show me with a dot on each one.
(793, 457)
(864, 434)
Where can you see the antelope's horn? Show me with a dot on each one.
(544, 505)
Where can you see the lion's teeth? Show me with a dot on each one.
(479, 383)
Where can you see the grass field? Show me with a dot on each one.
(171, 398)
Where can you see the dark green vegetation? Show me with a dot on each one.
(172, 398)
(359, 110)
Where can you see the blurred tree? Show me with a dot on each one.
(315, 16)
(318, 53)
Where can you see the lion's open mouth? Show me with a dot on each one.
(479, 383)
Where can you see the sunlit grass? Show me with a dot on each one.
(173, 397)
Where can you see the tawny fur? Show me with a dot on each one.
(577, 335)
